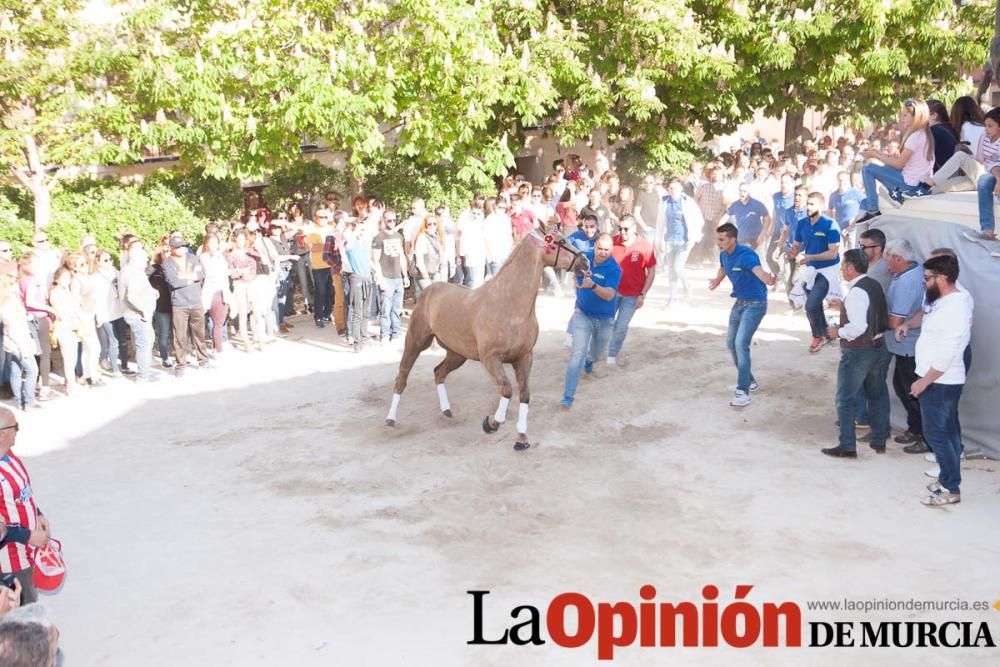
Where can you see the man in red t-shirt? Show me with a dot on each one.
(521, 219)
(635, 256)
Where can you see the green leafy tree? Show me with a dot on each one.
(434, 81)
(56, 93)
(856, 61)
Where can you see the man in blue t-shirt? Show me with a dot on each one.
(357, 244)
(784, 201)
(845, 201)
(818, 239)
(594, 318)
(585, 238)
(742, 266)
(787, 238)
(750, 217)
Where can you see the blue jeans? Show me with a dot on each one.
(360, 300)
(120, 327)
(814, 305)
(590, 341)
(142, 337)
(474, 274)
(744, 319)
(163, 324)
(23, 376)
(392, 308)
(109, 345)
(984, 192)
(890, 177)
(323, 280)
(939, 411)
(676, 254)
(283, 295)
(863, 414)
(623, 315)
(863, 368)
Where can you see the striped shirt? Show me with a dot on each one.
(988, 152)
(17, 507)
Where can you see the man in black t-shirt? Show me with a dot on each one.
(596, 208)
(389, 265)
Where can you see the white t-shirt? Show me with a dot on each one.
(944, 335)
(971, 133)
(918, 168)
(499, 237)
(472, 237)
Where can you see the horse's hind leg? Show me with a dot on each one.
(494, 366)
(418, 339)
(452, 361)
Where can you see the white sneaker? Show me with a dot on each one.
(753, 386)
(930, 458)
(933, 473)
(741, 399)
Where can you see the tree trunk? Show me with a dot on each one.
(794, 123)
(43, 201)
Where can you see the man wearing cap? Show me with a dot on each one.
(185, 275)
(27, 527)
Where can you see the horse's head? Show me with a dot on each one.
(559, 253)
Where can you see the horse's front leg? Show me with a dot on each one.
(522, 370)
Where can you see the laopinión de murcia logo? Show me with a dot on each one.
(572, 620)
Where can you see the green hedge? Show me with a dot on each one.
(106, 210)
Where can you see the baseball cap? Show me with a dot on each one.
(177, 240)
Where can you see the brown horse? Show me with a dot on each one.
(494, 324)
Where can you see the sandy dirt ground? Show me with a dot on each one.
(261, 514)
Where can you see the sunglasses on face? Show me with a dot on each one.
(5, 249)
(16, 428)
(41, 241)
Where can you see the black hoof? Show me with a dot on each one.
(446, 413)
(487, 428)
(521, 446)
(390, 422)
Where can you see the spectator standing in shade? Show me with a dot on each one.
(138, 303)
(863, 322)
(391, 276)
(944, 336)
(185, 275)
(905, 297)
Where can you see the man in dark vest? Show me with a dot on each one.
(864, 318)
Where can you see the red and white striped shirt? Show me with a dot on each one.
(17, 507)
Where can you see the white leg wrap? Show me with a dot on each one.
(501, 415)
(394, 407)
(443, 397)
(522, 418)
